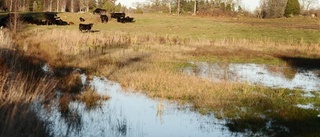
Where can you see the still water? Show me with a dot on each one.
(259, 74)
(130, 114)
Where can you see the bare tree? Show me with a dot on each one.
(84, 5)
(14, 22)
(306, 4)
(272, 8)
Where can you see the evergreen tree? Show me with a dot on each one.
(292, 8)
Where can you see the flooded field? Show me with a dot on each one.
(130, 114)
(135, 115)
(259, 74)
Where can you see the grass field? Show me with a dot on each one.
(148, 55)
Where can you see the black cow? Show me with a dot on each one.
(99, 11)
(128, 19)
(85, 27)
(104, 18)
(117, 15)
(82, 19)
(125, 19)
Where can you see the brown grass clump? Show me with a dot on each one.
(71, 83)
(5, 39)
(91, 98)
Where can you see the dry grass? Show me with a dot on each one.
(71, 83)
(5, 39)
(20, 85)
(91, 98)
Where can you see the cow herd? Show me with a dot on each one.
(121, 17)
(47, 19)
(50, 18)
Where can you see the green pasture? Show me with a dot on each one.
(288, 30)
(284, 30)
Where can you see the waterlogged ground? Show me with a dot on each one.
(265, 75)
(132, 115)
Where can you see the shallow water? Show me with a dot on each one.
(133, 115)
(266, 75)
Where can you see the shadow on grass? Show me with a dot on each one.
(121, 64)
(15, 61)
(300, 62)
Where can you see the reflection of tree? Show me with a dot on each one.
(160, 110)
(287, 72)
(73, 120)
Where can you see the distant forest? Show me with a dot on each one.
(267, 8)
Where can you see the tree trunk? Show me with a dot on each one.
(178, 7)
(195, 8)
(169, 6)
(87, 5)
(72, 6)
(50, 6)
(63, 5)
(58, 4)
(10, 8)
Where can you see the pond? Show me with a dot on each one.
(258, 74)
(130, 114)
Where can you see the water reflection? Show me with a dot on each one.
(132, 114)
(266, 75)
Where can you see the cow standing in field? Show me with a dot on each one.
(104, 18)
(85, 27)
(125, 19)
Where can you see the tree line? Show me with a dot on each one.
(57, 5)
(267, 8)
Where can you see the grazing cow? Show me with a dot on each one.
(125, 19)
(85, 27)
(99, 11)
(128, 19)
(117, 15)
(82, 19)
(104, 18)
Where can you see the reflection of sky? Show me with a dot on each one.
(141, 115)
(256, 74)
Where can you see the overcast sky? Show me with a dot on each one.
(247, 4)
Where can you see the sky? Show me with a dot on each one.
(247, 4)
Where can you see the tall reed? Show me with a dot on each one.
(21, 85)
